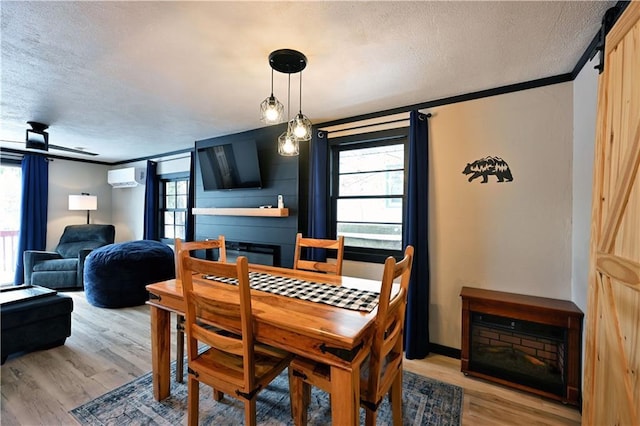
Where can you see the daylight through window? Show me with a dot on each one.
(175, 193)
(368, 194)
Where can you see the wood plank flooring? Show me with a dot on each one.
(110, 347)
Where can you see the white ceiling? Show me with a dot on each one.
(131, 79)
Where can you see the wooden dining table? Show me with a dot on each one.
(336, 336)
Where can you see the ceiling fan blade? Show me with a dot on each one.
(56, 147)
(76, 151)
(35, 147)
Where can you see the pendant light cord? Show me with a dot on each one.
(271, 82)
(300, 92)
(289, 99)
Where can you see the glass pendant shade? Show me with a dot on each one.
(271, 110)
(288, 145)
(300, 126)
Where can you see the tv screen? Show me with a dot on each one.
(230, 166)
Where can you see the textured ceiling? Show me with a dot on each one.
(135, 79)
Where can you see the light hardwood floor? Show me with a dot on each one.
(110, 347)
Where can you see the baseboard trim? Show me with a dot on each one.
(444, 350)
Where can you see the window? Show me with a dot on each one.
(174, 196)
(10, 201)
(367, 193)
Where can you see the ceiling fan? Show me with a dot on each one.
(38, 138)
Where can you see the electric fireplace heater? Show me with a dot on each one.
(264, 254)
(526, 342)
(519, 351)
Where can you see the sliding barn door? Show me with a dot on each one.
(612, 357)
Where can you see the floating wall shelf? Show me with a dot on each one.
(271, 212)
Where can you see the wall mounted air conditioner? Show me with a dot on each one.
(126, 178)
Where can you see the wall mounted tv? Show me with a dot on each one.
(232, 165)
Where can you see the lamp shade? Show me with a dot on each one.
(271, 110)
(300, 126)
(288, 145)
(83, 202)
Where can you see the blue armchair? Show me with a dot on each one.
(63, 268)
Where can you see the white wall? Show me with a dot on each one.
(128, 203)
(513, 237)
(128, 208)
(72, 178)
(585, 99)
(174, 165)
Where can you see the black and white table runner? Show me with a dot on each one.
(342, 297)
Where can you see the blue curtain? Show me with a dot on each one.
(151, 202)
(33, 209)
(416, 223)
(191, 197)
(318, 193)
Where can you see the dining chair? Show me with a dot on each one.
(231, 363)
(336, 245)
(190, 246)
(381, 371)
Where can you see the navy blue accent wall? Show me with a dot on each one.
(280, 175)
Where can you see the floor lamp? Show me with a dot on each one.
(83, 202)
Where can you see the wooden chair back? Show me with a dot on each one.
(208, 244)
(220, 340)
(336, 245)
(382, 371)
(233, 316)
(191, 246)
(385, 359)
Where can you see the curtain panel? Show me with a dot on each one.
(151, 202)
(318, 191)
(416, 227)
(191, 197)
(33, 209)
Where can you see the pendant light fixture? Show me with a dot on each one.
(271, 110)
(300, 126)
(288, 142)
(290, 61)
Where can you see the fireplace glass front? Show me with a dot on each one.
(518, 351)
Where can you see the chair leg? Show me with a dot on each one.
(179, 348)
(217, 395)
(193, 400)
(306, 399)
(395, 396)
(300, 396)
(370, 418)
(250, 412)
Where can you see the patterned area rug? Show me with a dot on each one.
(425, 402)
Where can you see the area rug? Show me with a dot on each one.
(425, 402)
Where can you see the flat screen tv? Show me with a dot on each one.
(230, 166)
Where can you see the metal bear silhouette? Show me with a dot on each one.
(489, 166)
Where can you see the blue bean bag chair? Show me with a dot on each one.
(115, 275)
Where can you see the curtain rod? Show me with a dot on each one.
(381, 123)
(363, 126)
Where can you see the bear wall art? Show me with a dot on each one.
(489, 166)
